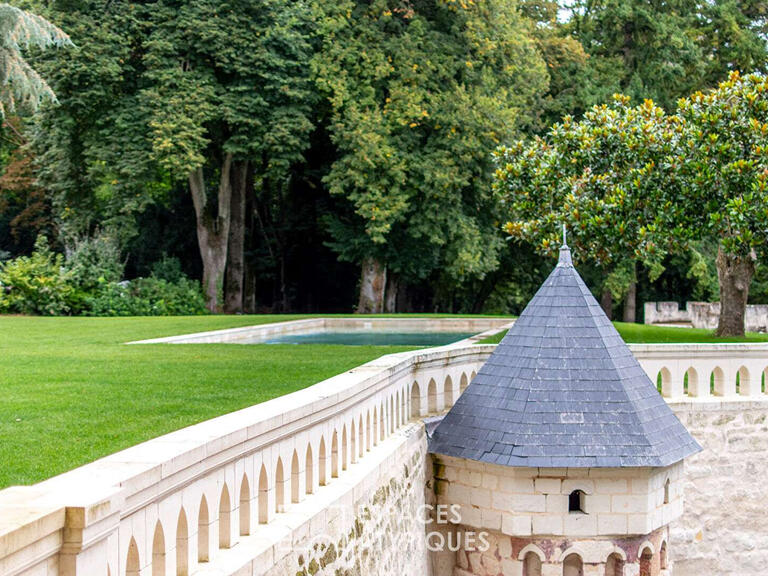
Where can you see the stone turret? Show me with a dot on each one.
(561, 448)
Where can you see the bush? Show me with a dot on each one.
(148, 297)
(94, 262)
(36, 284)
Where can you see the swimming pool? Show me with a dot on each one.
(371, 338)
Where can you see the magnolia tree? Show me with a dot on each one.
(722, 159)
(633, 184)
(604, 177)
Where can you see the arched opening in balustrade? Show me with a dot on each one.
(717, 382)
(663, 562)
(531, 564)
(415, 400)
(368, 431)
(762, 381)
(158, 551)
(573, 565)
(664, 382)
(646, 561)
(203, 526)
(666, 491)
(382, 423)
(182, 545)
(472, 376)
(361, 447)
(693, 386)
(614, 566)
(344, 447)
(280, 485)
(432, 396)
(132, 565)
(375, 426)
(743, 381)
(448, 392)
(225, 518)
(463, 383)
(295, 489)
(263, 496)
(322, 463)
(353, 441)
(244, 509)
(335, 455)
(397, 410)
(309, 478)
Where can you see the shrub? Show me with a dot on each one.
(148, 297)
(94, 262)
(36, 284)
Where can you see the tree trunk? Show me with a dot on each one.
(235, 271)
(630, 303)
(393, 286)
(734, 273)
(373, 280)
(212, 230)
(606, 303)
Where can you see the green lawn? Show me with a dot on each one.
(71, 391)
(640, 333)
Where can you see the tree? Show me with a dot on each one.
(723, 161)
(416, 94)
(609, 179)
(21, 83)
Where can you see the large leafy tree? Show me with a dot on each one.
(417, 94)
(229, 96)
(603, 177)
(200, 97)
(723, 160)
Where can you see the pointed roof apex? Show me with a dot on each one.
(565, 256)
(563, 390)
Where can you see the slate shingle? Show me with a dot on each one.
(563, 389)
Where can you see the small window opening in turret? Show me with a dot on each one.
(666, 492)
(576, 502)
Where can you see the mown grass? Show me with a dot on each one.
(71, 391)
(640, 333)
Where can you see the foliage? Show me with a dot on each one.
(417, 93)
(94, 262)
(21, 85)
(608, 178)
(35, 284)
(148, 297)
(723, 159)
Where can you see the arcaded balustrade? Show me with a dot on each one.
(179, 504)
(700, 371)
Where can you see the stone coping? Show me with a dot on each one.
(247, 334)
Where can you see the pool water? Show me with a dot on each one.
(372, 338)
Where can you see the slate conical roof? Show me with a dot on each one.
(563, 390)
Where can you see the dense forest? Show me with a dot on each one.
(305, 156)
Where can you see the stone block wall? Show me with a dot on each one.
(525, 501)
(376, 529)
(724, 530)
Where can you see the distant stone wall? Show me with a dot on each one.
(724, 530)
(702, 315)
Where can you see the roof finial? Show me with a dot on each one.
(565, 252)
